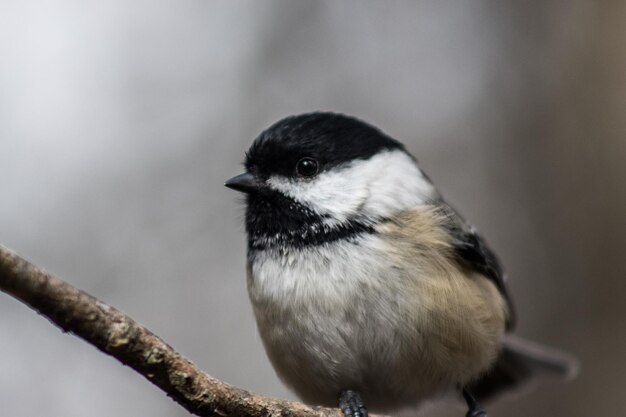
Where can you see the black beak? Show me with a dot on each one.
(246, 183)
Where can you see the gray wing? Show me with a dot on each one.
(472, 251)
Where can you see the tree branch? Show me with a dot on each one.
(118, 335)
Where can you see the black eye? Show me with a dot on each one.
(307, 167)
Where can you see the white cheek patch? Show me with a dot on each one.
(374, 188)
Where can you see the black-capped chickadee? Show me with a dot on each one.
(368, 288)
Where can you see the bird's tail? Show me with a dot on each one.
(519, 365)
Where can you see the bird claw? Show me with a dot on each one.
(474, 408)
(352, 405)
(476, 412)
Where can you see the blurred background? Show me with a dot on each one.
(119, 122)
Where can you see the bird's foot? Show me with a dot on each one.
(351, 404)
(476, 412)
(474, 408)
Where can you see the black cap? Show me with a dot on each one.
(330, 138)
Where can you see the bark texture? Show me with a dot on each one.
(118, 335)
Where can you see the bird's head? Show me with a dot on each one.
(317, 177)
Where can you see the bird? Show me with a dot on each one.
(369, 290)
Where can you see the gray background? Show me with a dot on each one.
(120, 120)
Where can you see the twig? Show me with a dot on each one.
(118, 335)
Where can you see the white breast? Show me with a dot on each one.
(330, 273)
(339, 316)
(398, 326)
